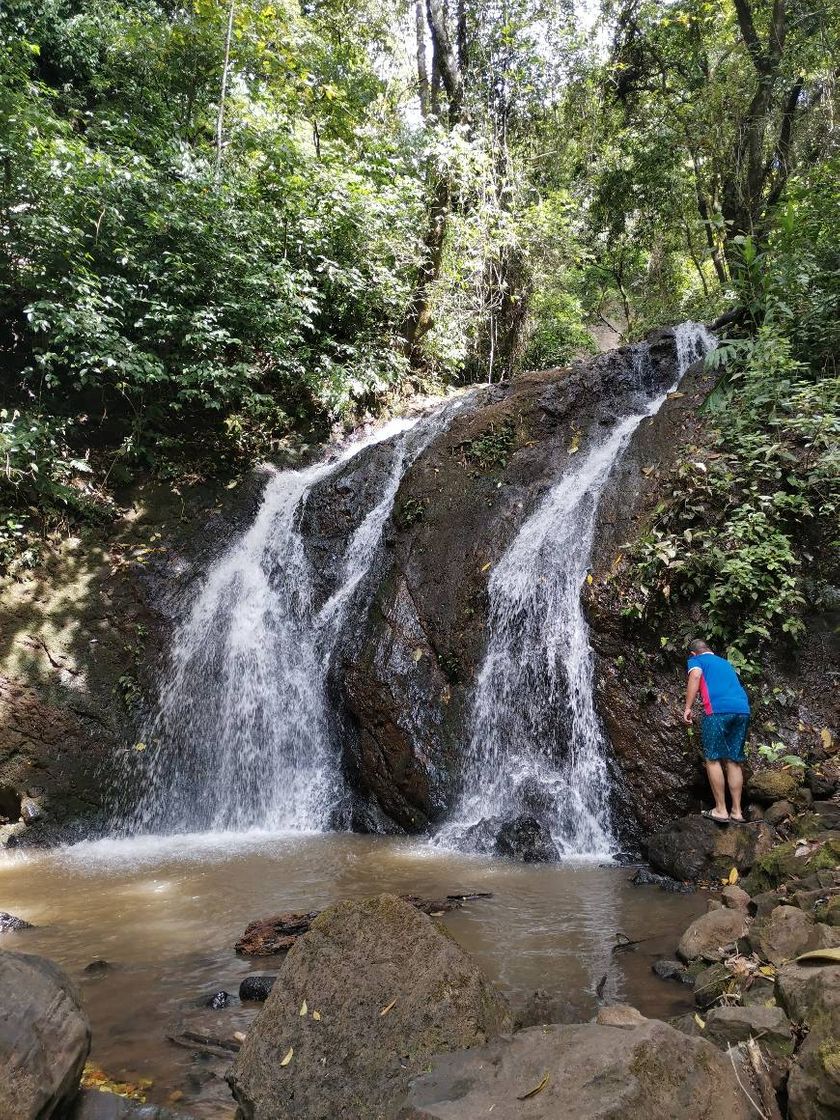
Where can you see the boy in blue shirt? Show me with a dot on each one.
(723, 730)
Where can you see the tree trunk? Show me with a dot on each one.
(220, 116)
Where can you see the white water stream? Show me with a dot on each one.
(242, 737)
(536, 745)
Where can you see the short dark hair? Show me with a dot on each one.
(698, 646)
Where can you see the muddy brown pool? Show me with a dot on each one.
(164, 913)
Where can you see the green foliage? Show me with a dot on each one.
(492, 449)
(763, 495)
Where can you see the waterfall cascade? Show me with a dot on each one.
(536, 745)
(242, 737)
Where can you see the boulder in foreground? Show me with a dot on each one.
(588, 1071)
(361, 1004)
(44, 1038)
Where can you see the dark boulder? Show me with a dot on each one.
(696, 848)
(644, 877)
(44, 1038)
(10, 924)
(526, 839)
(362, 1003)
(256, 988)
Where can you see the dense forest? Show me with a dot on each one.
(229, 225)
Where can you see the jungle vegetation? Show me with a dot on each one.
(228, 225)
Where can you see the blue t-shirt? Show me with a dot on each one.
(720, 690)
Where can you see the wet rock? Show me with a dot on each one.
(779, 812)
(96, 968)
(218, 1000)
(672, 970)
(712, 936)
(11, 834)
(44, 1038)
(31, 810)
(644, 877)
(542, 1007)
(256, 988)
(697, 848)
(10, 924)
(526, 839)
(389, 987)
(94, 1104)
(769, 786)
(590, 1071)
(783, 934)
(727, 1026)
(735, 898)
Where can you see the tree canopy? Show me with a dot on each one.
(228, 223)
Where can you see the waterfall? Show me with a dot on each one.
(536, 745)
(243, 735)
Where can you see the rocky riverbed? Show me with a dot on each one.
(371, 1008)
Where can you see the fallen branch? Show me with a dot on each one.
(268, 936)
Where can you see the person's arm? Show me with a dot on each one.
(691, 689)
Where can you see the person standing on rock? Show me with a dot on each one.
(723, 730)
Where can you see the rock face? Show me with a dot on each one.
(641, 1068)
(389, 989)
(409, 674)
(697, 848)
(44, 1038)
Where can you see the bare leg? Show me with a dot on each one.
(735, 780)
(718, 784)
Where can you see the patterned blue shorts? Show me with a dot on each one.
(724, 737)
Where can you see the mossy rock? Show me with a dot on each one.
(829, 911)
(712, 983)
(769, 786)
(782, 863)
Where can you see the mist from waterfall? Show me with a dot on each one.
(536, 745)
(243, 735)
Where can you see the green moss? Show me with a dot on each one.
(830, 1057)
(782, 863)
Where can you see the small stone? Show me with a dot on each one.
(10, 924)
(735, 898)
(218, 1000)
(619, 1015)
(671, 970)
(96, 968)
(779, 812)
(30, 810)
(256, 988)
